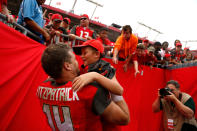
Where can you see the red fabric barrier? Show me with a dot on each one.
(21, 73)
(139, 93)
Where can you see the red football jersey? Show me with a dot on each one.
(140, 59)
(83, 32)
(68, 110)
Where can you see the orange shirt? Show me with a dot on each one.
(125, 47)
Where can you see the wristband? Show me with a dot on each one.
(116, 98)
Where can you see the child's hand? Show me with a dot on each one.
(136, 72)
(83, 80)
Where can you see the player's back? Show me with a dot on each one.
(68, 110)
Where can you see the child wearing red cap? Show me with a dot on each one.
(177, 53)
(91, 53)
(168, 61)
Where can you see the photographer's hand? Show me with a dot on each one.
(170, 97)
(184, 110)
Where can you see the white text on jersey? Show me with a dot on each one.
(57, 94)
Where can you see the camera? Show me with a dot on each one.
(164, 91)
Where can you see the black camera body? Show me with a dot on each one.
(164, 91)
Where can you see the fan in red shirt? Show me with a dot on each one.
(168, 61)
(178, 54)
(138, 58)
(82, 31)
(150, 57)
(103, 38)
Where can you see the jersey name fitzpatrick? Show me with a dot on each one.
(57, 94)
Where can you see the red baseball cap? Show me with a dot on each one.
(146, 40)
(186, 48)
(67, 19)
(84, 16)
(93, 43)
(57, 17)
(167, 55)
(178, 44)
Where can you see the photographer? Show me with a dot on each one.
(178, 108)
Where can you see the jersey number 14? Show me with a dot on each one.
(66, 125)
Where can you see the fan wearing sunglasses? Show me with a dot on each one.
(82, 31)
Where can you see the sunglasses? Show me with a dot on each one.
(58, 21)
(83, 19)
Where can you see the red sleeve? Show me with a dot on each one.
(107, 42)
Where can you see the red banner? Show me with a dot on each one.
(21, 73)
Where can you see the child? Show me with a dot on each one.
(138, 58)
(91, 53)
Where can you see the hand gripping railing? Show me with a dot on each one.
(23, 30)
(77, 38)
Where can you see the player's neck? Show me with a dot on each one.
(65, 78)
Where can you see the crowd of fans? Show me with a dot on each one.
(53, 28)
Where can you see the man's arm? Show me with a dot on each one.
(156, 105)
(73, 35)
(119, 100)
(115, 59)
(114, 114)
(136, 67)
(34, 26)
(128, 60)
(184, 110)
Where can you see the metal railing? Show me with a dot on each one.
(183, 65)
(17, 26)
(26, 32)
(73, 42)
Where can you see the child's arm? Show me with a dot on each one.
(136, 67)
(110, 84)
